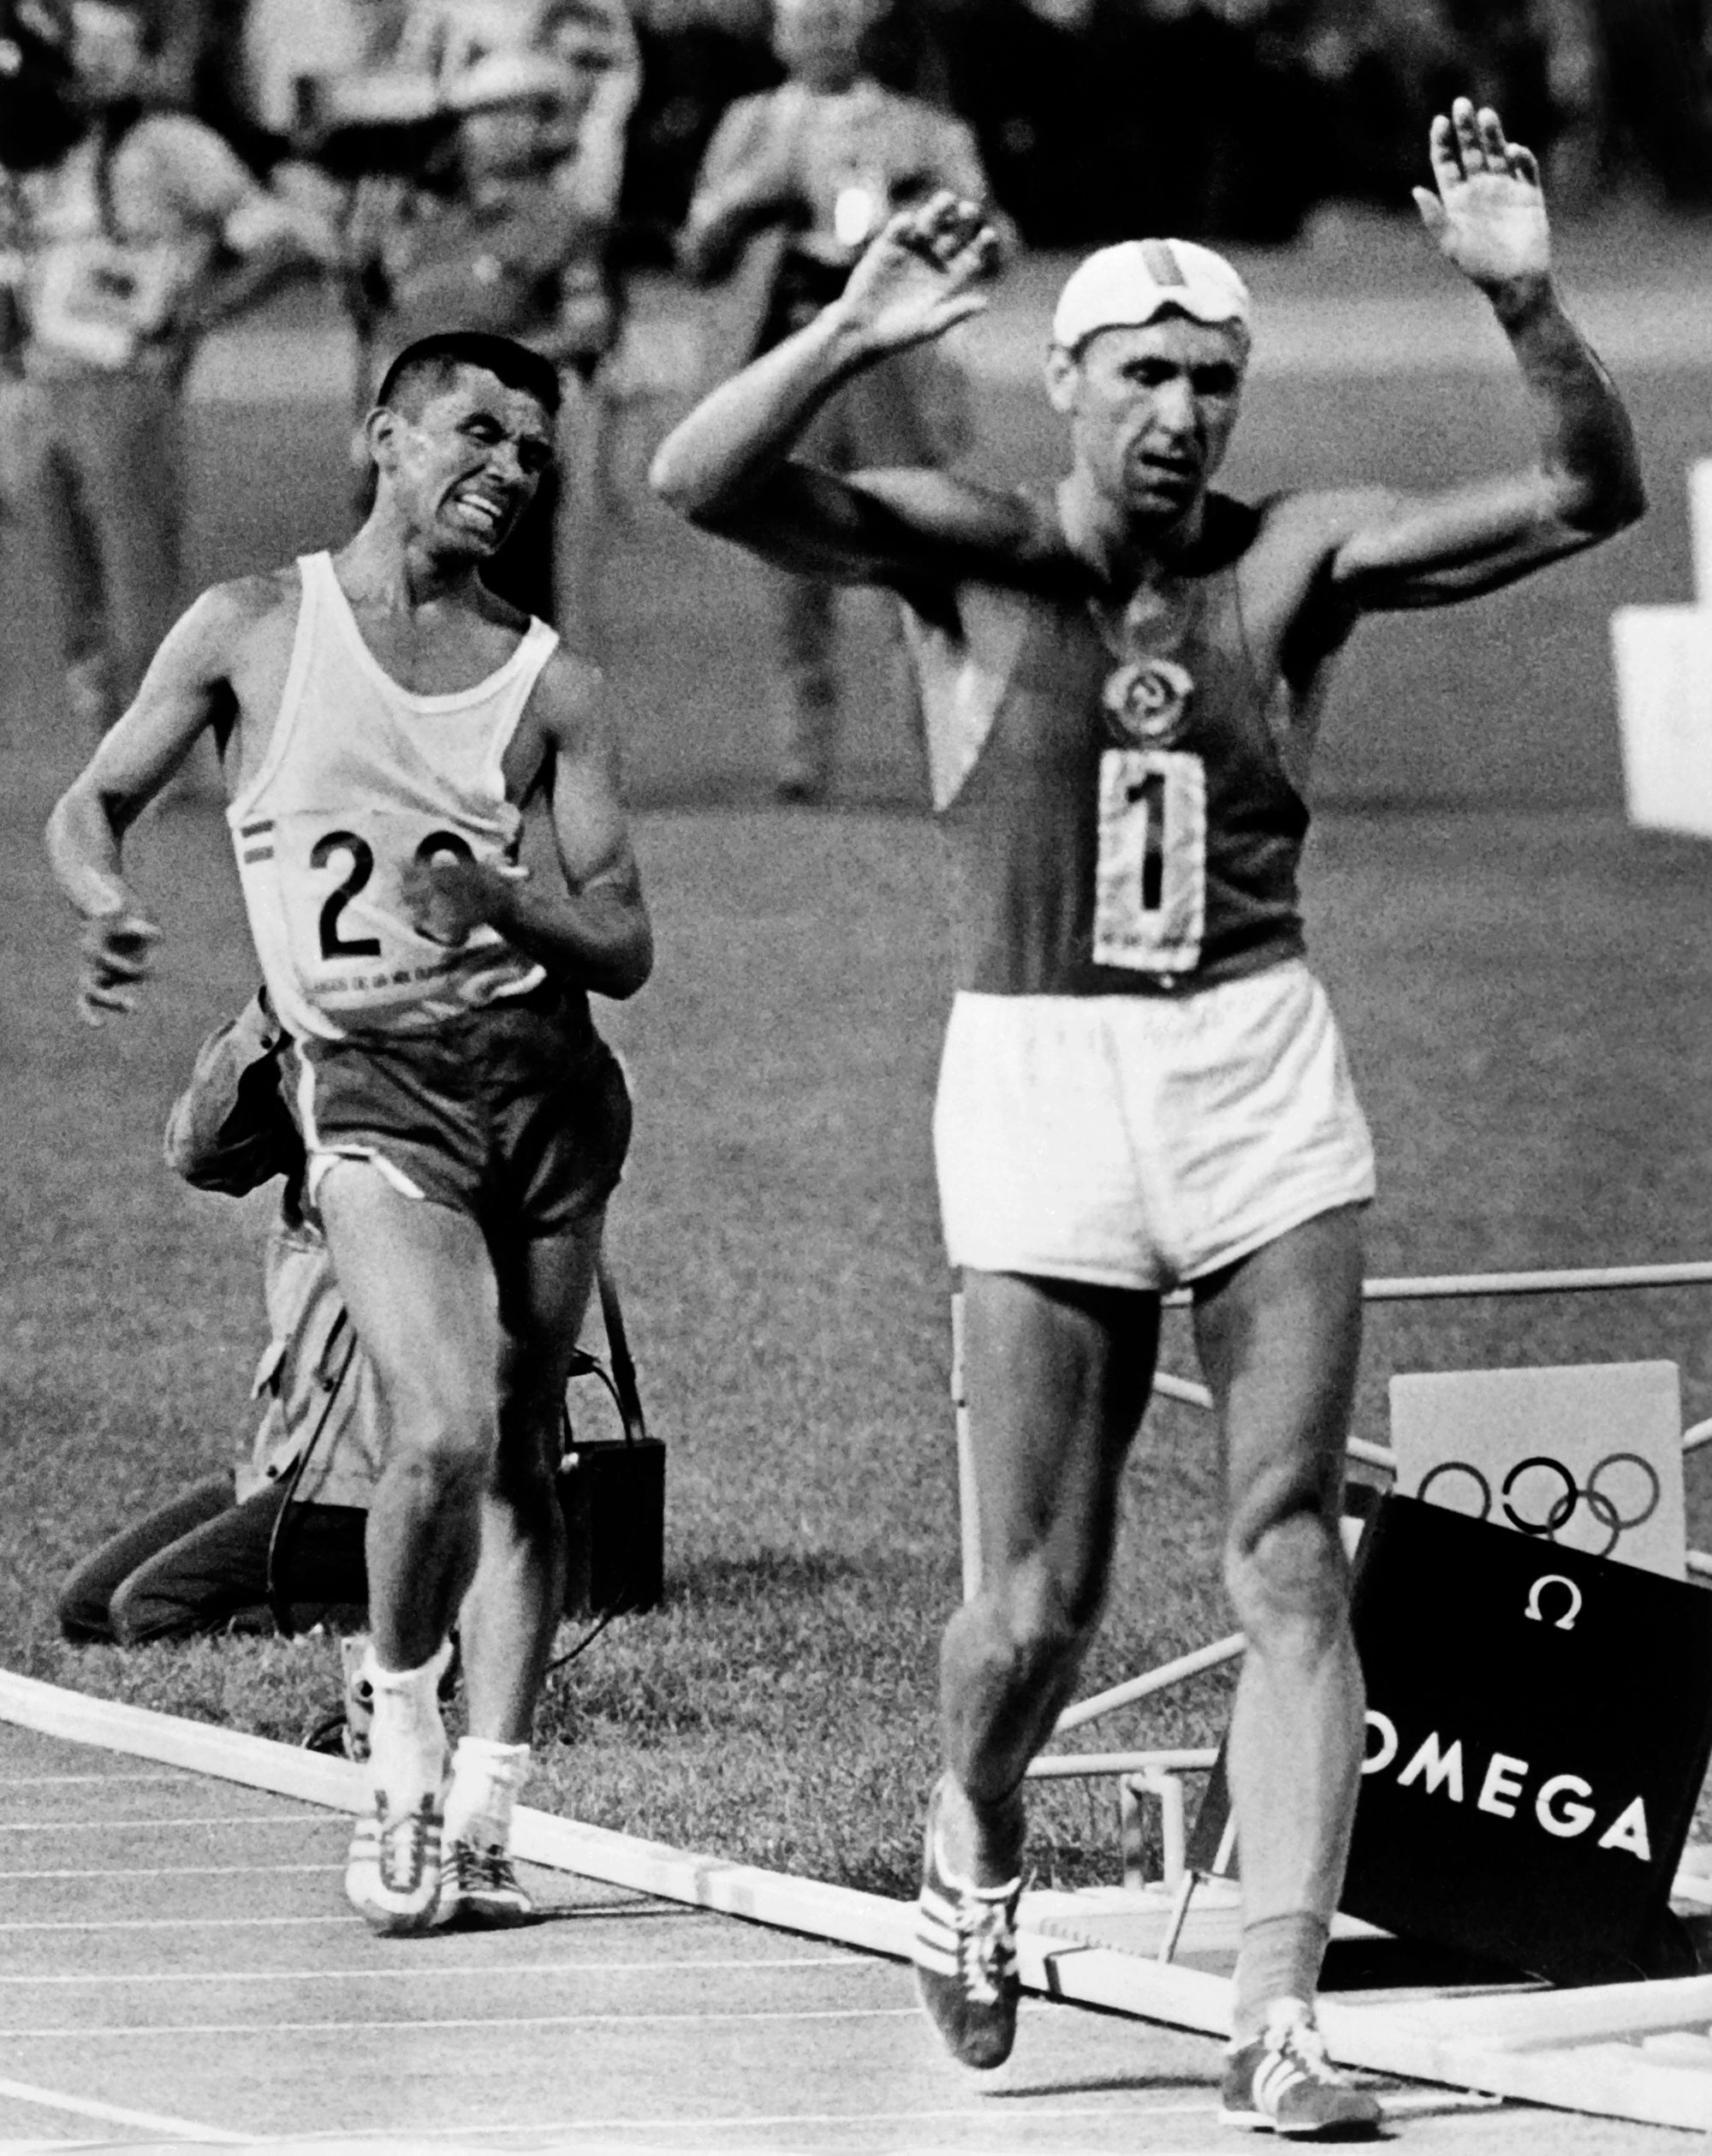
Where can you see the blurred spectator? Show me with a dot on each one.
(695, 65)
(283, 1530)
(521, 244)
(147, 233)
(794, 183)
(285, 1524)
(289, 47)
(448, 37)
(1103, 118)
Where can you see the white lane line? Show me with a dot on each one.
(448, 1971)
(1123, 2106)
(740, 2121)
(58, 1781)
(216, 1818)
(81, 2031)
(179, 1872)
(52, 2099)
(168, 1924)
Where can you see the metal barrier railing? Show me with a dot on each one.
(1157, 1773)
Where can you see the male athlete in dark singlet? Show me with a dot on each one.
(386, 721)
(1142, 1084)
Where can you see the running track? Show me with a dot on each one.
(178, 1970)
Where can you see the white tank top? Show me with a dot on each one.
(360, 777)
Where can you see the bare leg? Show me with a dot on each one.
(420, 1288)
(1280, 1335)
(512, 1609)
(1058, 1378)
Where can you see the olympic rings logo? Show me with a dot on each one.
(1535, 1511)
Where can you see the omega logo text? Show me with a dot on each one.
(1562, 1805)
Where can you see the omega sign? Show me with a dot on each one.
(1561, 1805)
(1539, 1729)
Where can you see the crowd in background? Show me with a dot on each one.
(497, 165)
(1221, 118)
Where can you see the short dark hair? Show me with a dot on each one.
(432, 361)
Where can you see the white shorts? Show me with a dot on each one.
(1141, 1141)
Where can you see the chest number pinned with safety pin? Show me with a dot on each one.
(1149, 871)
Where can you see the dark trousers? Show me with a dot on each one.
(199, 1563)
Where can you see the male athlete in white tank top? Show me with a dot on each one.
(362, 778)
(385, 725)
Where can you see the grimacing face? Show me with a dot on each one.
(464, 467)
(1151, 410)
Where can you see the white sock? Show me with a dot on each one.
(486, 1778)
(408, 1742)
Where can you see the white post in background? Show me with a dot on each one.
(1663, 659)
(1700, 528)
(968, 1502)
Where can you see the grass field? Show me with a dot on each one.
(1528, 1000)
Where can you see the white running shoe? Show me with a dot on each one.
(1284, 2083)
(392, 1873)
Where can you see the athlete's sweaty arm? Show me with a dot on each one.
(185, 690)
(727, 468)
(574, 903)
(1489, 217)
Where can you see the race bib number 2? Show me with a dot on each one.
(355, 944)
(1150, 869)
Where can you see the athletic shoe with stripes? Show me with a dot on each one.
(1283, 2083)
(479, 1890)
(392, 1873)
(965, 1955)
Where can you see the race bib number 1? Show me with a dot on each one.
(1151, 870)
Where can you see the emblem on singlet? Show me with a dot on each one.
(1146, 702)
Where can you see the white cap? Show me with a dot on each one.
(514, 75)
(1123, 286)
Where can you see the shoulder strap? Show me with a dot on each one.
(618, 1353)
(108, 139)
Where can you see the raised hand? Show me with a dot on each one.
(919, 276)
(1488, 214)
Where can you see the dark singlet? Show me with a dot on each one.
(1126, 826)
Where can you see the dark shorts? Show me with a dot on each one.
(516, 1114)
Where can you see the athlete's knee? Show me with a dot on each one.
(1287, 1575)
(448, 1436)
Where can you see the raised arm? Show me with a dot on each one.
(185, 691)
(574, 902)
(1488, 216)
(728, 467)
